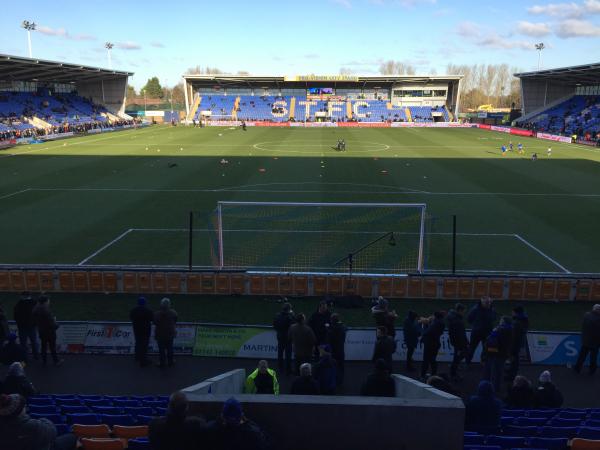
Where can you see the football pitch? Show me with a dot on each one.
(124, 198)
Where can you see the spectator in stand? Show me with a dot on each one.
(379, 383)
(590, 340)
(412, 330)
(520, 394)
(434, 328)
(262, 381)
(141, 319)
(4, 330)
(326, 371)
(19, 431)
(337, 341)
(520, 326)
(282, 323)
(384, 317)
(177, 430)
(164, 333)
(12, 352)
(47, 326)
(458, 338)
(482, 318)
(547, 395)
(305, 384)
(320, 321)
(497, 348)
(233, 431)
(303, 341)
(23, 315)
(482, 411)
(385, 347)
(16, 382)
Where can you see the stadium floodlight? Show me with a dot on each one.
(145, 108)
(108, 46)
(539, 47)
(29, 27)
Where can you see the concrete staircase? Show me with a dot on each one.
(194, 109)
(408, 114)
(292, 107)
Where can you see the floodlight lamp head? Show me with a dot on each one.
(109, 45)
(392, 241)
(540, 46)
(29, 26)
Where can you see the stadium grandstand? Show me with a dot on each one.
(563, 101)
(338, 98)
(40, 98)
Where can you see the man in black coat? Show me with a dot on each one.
(590, 339)
(141, 318)
(519, 340)
(320, 321)
(482, 318)
(412, 330)
(23, 315)
(47, 326)
(385, 347)
(337, 340)
(458, 337)
(282, 323)
(12, 352)
(431, 343)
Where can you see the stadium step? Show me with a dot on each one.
(236, 105)
(389, 105)
(408, 114)
(292, 107)
(38, 123)
(349, 109)
(194, 109)
(110, 116)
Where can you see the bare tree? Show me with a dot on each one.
(391, 67)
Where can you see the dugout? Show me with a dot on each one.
(542, 89)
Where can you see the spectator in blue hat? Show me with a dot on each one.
(482, 411)
(326, 371)
(141, 318)
(233, 431)
(12, 352)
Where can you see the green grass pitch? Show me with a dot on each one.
(123, 198)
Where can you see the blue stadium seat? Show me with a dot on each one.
(144, 420)
(155, 404)
(112, 398)
(68, 402)
(107, 410)
(474, 439)
(482, 447)
(591, 423)
(64, 397)
(530, 421)
(121, 419)
(513, 413)
(589, 433)
(139, 444)
(163, 398)
(40, 401)
(143, 398)
(91, 397)
(558, 432)
(127, 403)
(564, 422)
(506, 441)
(141, 411)
(83, 419)
(549, 443)
(62, 428)
(161, 411)
(512, 430)
(74, 409)
(572, 415)
(47, 409)
(99, 402)
(547, 413)
(54, 418)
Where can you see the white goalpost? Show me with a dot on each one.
(319, 237)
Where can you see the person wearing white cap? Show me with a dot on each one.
(547, 395)
(590, 340)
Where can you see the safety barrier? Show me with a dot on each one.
(428, 286)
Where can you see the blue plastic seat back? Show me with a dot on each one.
(513, 430)
(564, 423)
(482, 447)
(474, 439)
(47, 409)
(143, 420)
(141, 411)
(559, 432)
(549, 443)
(127, 403)
(139, 444)
(97, 402)
(74, 409)
(107, 410)
(83, 419)
(506, 441)
(121, 419)
(68, 402)
(40, 401)
(589, 433)
(547, 413)
(54, 418)
(530, 421)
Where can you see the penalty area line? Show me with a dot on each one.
(14, 193)
(101, 249)
(534, 248)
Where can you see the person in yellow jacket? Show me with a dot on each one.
(262, 381)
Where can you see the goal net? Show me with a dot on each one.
(318, 237)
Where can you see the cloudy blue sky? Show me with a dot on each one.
(268, 37)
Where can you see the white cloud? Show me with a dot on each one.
(157, 44)
(468, 29)
(311, 56)
(533, 29)
(577, 28)
(592, 6)
(568, 10)
(62, 33)
(128, 45)
(498, 42)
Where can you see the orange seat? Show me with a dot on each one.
(102, 444)
(91, 431)
(124, 432)
(584, 444)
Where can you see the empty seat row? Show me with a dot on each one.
(97, 419)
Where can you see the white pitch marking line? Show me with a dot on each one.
(14, 193)
(533, 247)
(101, 249)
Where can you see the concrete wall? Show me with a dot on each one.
(408, 388)
(361, 423)
(231, 383)
(110, 93)
(537, 94)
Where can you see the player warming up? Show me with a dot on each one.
(510, 146)
(520, 148)
(549, 151)
(503, 148)
(534, 157)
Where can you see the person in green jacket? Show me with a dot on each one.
(262, 381)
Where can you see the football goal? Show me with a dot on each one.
(318, 237)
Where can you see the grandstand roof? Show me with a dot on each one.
(312, 79)
(585, 74)
(16, 68)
